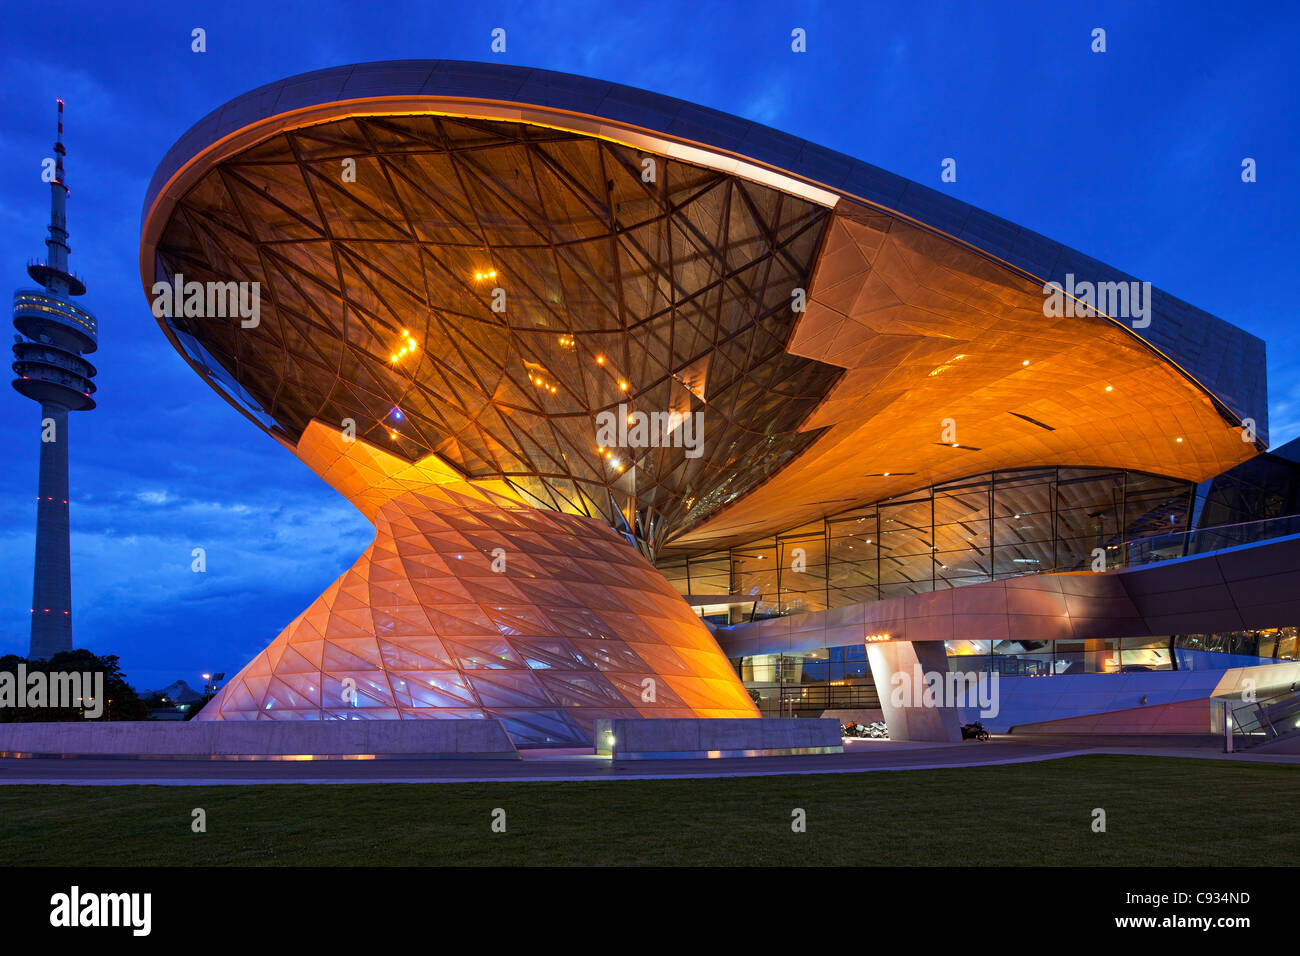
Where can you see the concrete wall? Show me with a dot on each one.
(326, 738)
(667, 737)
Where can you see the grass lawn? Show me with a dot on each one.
(1159, 811)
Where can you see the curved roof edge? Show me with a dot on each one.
(1227, 360)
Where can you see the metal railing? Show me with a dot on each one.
(1264, 720)
(1182, 544)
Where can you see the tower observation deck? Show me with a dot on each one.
(54, 334)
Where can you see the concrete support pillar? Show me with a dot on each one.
(902, 700)
(52, 585)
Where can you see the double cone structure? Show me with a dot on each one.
(471, 603)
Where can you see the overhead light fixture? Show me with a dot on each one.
(408, 345)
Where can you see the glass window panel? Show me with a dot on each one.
(754, 571)
(1023, 658)
(962, 567)
(1029, 494)
(710, 574)
(1087, 657)
(803, 572)
(906, 528)
(1022, 529)
(675, 572)
(1010, 559)
(1145, 654)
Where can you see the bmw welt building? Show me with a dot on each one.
(658, 412)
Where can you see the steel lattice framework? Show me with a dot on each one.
(470, 603)
(383, 243)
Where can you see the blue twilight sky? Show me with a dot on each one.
(1132, 156)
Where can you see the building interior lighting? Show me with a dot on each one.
(408, 346)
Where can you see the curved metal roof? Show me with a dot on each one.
(1226, 359)
(904, 283)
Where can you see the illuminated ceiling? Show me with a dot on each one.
(929, 330)
(667, 295)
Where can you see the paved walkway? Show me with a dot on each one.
(860, 756)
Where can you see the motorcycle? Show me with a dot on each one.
(974, 731)
(876, 729)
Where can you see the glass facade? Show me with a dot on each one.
(839, 678)
(983, 528)
(989, 527)
(1124, 655)
(1266, 487)
(805, 684)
